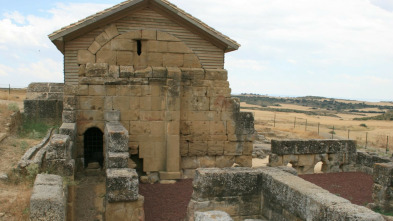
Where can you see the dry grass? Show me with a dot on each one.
(14, 194)
(14, 201)
(13, 95)
(377, 131)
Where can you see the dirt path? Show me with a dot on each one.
(90, 195)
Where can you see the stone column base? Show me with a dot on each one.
(170, 175)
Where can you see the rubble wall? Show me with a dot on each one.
(335, 155)
(269, 193)
(44, 101)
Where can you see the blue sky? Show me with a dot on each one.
(330, 48)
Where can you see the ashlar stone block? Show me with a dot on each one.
(85, 56)
(116, 137)
(121, 185)
(117, 160)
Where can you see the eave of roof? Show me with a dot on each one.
(106, 16)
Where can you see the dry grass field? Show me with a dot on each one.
(299, 125)
(14, 194)
(13, 95)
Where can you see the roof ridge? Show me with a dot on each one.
(181, 12)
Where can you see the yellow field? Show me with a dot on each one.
(13, 94)
(376, 131)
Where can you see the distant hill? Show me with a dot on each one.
(319, 104)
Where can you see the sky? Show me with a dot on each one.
(330, 48)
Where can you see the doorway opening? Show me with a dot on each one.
(93, 146)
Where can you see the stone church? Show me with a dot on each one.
(161, 72)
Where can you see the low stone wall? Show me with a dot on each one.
(48, 201)
(269, 193)
(383, 187)
(365, 161)
(336, 155)
(44, 101)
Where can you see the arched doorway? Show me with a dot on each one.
(93, 146)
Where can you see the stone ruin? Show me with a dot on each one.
(336, 156)
(145, 84)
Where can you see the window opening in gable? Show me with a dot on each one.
(139, 47)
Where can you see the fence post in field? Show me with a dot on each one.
(348, 133)
(387, 144)
(318, 128)
(294, 123)
(333, 133)
(305, 128)
(274, 124)
(366, 140)
(9, 89)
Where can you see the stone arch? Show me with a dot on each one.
(156, 48)
(93, 143)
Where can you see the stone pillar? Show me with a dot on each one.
(116, 145)
(172, 125)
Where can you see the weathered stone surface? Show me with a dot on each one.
(212, 216)
(121, 185)
(48, 201)
(59, 147)
(68, 129)
(271, 193)
(116, 137)
(112, 116)
(97, 69)
(117, 160)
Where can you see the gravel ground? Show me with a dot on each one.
(164, 202)
(353, 186)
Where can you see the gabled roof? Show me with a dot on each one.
(123, 9)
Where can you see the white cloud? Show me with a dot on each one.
(26, 53)
(326, 39)
(5, 70)
(15, 16)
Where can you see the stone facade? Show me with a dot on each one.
(177, 118)
(44, 101)
(335, 155)
(269, 194)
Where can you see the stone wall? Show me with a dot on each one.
(335, 155)
(365, 161)
(269, 193)
(383, 187)
(167, 111)
(44, 101)
(48, 201)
